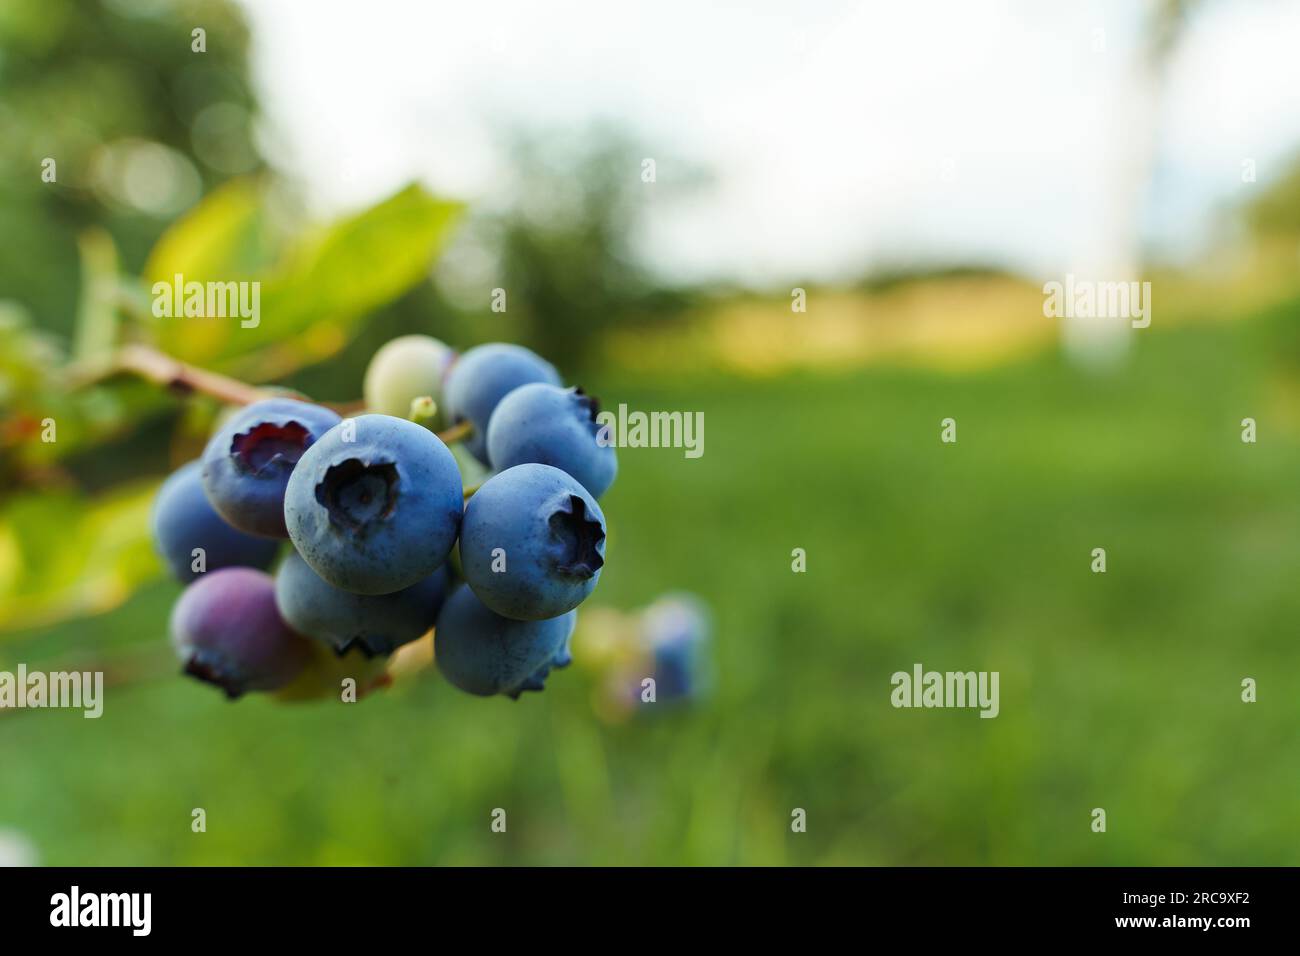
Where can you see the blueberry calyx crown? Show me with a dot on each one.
(590, 404)
(208, 669)
(356, 493)
(537, 680)
(360, 643)
(268, 443)
(578, 536)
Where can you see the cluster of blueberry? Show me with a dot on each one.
(387, 543)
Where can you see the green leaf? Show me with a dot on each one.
(222, 237)
(64, 556)
(311, 302)
(97, 308)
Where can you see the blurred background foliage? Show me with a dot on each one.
(140, 128)
(1118, 690)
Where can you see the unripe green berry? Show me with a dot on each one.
(407, 368)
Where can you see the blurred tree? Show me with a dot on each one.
(1102, 343)
(1277, 211)
(564, 246)
(137, 123)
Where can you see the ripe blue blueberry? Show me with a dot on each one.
(184, 521)
(376, 624)
(226, 630)
(374, 506)
(532, 543)
(247, 463)
(483, 376)
(549, 425)
(484, 653)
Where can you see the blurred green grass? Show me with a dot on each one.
(1119, 691)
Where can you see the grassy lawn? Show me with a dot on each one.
(1118, 690)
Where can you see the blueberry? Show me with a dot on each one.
(374, 506)
(532, 543)
(482, 377)
(184, 520)
(484, 653)
(550, 425)
(226, 630)
(407, 368)
(375, 624)
(247, 464)
(676, 630)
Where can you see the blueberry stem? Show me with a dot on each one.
(458, 432)
(181, 377)
(160, 368)
(423, 411)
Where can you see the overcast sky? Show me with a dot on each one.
(840, 134)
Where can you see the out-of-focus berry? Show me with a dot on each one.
(483, 653)
(227, 632)
(185, 522)
(376, 624)
(483, 376)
